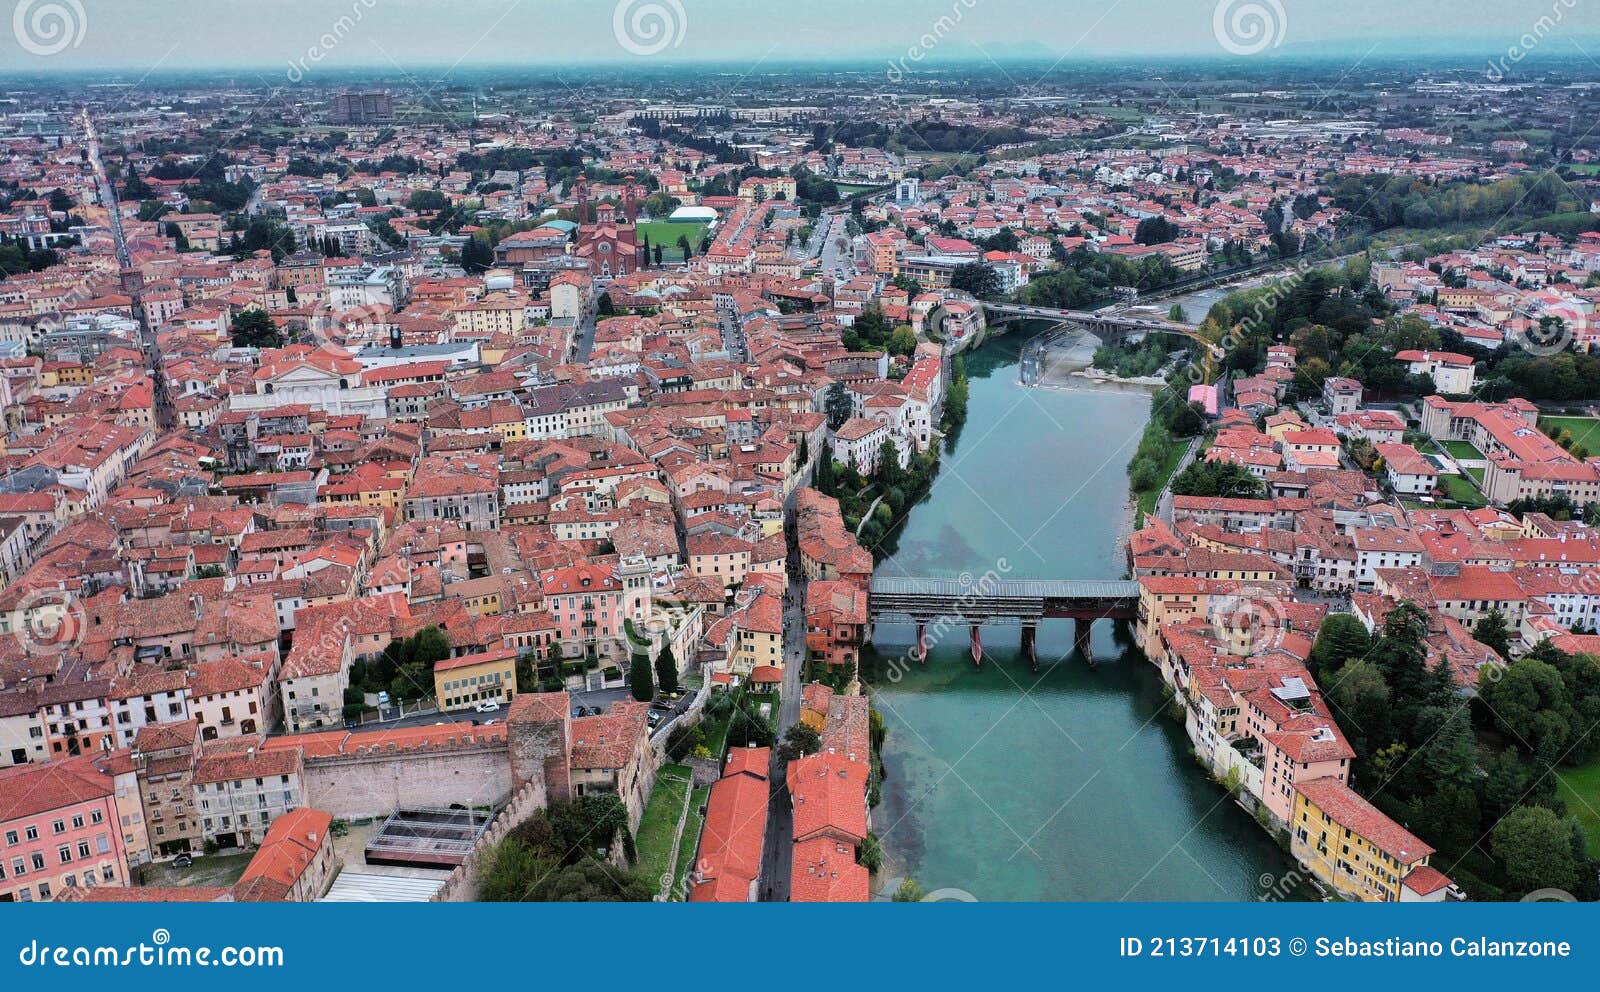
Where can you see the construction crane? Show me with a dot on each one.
(131, 281)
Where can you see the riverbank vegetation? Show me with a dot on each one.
(1474, 779)
(874, 504)
(1148, 358)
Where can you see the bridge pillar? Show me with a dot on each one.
(1082, 631)
(1029, 651)
(921, 650)
(977, 646)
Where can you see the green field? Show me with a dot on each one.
(1461, 491)
(851, 189)
(1462, 450)
(1585, 430)
(659, 822)
(1580, 789)
(1169, 465)
(690, 843)
(666, 234)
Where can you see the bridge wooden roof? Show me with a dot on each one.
(955, 588)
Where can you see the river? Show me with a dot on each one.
(1068, 783)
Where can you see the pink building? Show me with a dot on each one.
(588, 603)
(58, 830)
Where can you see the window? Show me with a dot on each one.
(64, 852)
(95, 816)
(11, 838)
(77, 822)
(108, 873)
(38, 861)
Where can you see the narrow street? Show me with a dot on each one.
(777, 848)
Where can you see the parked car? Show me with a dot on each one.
(488, 706)
(182, 861)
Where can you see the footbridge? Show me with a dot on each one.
(1015, 602)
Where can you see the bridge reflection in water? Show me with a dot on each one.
(1015, 602)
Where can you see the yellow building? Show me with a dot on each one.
(1357, 851)
(462, 683)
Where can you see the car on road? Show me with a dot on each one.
(182, 861)
(488, 706)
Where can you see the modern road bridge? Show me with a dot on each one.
(1017, 602)
(1105, 324)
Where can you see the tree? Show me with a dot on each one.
(1360, 701)
(255, 329)
(476, 255)
(1341, 639)
(1400, 654)
(1156, 231)
(838, 405)
(1529, 702)
(909, 891)
(800, 740)
(604, 306)
(640, 681)
(684, 247)
(870, 854)
(667, 670)
(136, 189)
(1536, 849)
(1222, 480)
(414, 660)
(427, 201)
(527, 672)
(1177, 314)
(902, 340)
(1185, 420)
(1491, 632)
(978, 278)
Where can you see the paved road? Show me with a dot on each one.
(833, 257)
(777, 851)
(583, 340)
(1164, 504)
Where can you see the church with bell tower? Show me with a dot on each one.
(610, 243)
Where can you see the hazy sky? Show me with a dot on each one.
(139, 35)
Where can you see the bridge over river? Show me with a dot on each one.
(1017, 602)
